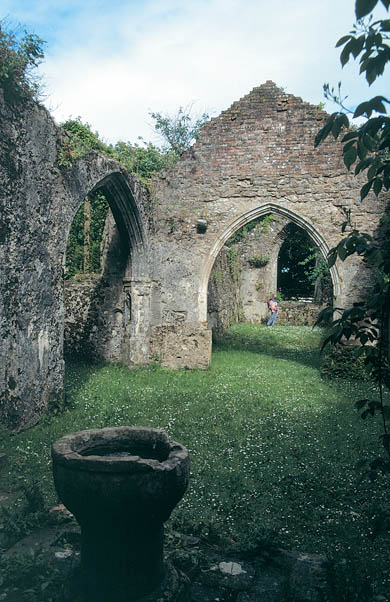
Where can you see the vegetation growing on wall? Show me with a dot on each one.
(143, 159)
(19, 57)
(178, 132)
(262, 222)
(258, 261)
(78, 141)
(83, 252)
(267, 220)
(302, 272)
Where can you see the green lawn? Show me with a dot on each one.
(273, 447)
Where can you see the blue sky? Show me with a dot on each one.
(111, 63)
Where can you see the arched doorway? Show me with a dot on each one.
(104, 312)
(302, 270)
(267, 260)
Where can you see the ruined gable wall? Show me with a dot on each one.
(259, 151)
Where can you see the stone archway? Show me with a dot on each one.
(242, 220)
(39, 198)
(107, 317)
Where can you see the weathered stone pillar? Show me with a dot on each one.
(138, 300)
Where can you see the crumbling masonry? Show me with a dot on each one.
(254, 159)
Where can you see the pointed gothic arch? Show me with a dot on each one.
(241, 221)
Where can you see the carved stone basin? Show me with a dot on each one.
(121, 484)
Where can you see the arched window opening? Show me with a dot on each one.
(247, 264)
(302, 270)
(243, 275)
(86, 241)
(96, 262)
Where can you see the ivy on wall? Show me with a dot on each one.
(83, 251)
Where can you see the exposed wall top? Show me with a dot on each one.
(265, 123)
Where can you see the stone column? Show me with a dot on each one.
(138, 300)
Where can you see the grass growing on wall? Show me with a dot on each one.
(273, 446)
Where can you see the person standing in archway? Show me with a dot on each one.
(273, 305)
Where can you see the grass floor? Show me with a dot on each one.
(273, 446)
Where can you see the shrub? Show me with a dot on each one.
(258, 261)
(19, 56)
(344, 362)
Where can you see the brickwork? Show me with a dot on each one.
(254, 159)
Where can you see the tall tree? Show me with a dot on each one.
(179, 131)
(367, 147)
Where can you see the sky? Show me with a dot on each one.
(113, 62)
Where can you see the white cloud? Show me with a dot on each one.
(110, 64)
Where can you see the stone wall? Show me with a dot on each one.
(224, 296)
(256, 158)
(38, 200)
(297, 313)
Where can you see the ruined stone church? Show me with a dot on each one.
(256, 159)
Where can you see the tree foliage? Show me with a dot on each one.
(368, 147)
(302, 271)
(143, 159)
(178, 132)
(19, 57)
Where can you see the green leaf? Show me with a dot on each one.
(350, 136)
(350, 156)
(343, 40)
(347, 51)
(361, 109)
(359, 45)
(365, 190)
(340, 121)
(325, 131)
(377, 186)
(361, 403)
(342, 253)
(364, 7)
(361, 150)
(372, 172)
(368, 142)
(332, 256)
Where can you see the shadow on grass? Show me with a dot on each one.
(274, 342)
(77, 374)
